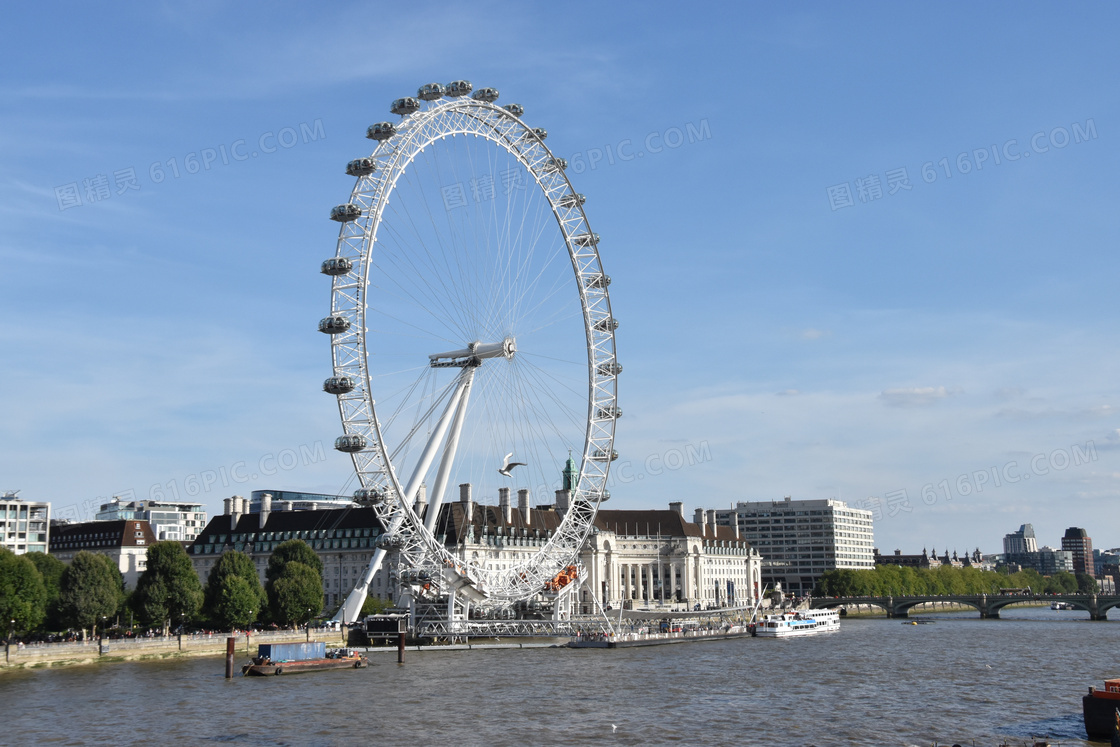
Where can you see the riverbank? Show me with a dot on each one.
(48, 655)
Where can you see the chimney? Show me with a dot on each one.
(523, 506)
(465, 499)
(235, 512)
(711, 520)
(266, 508)
(504, 506)
(562, 497)
(421, 499)
(677, 506)
(227, 510)
(698, 517)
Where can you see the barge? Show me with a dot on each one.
(293, 658)
(1100, 710)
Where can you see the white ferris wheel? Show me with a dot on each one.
(471, 330)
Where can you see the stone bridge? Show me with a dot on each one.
(989, 604)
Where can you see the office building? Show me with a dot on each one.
(24, 525)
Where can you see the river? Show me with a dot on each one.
(876, 682)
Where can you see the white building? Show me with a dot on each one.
(125, 542)
(640, 558)
(170, 520)
(24, 525)
(800, 540)
(291, 500)
(1020, 542)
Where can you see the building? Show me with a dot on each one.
(927, 560)
(801, 540)
(170, 520)
(290, 500)
(643, 557)
(1020, 542)
(125, 542)
(342, 538)
(1078, 544)
(24, 525)
(636, 558)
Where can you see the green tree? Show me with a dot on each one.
(375, 606)
(1086, 584)
(296, 594)
(292, 551)
(51, 569)
(169, 589)
(23, 598)
(230, 604)
(90, 589)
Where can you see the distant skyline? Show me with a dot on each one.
(859, 252)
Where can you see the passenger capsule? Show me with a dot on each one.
(457, 88)
(610, 324)
(333, 325)
(360, 167)
(601, 455)
(381, 131)
(338, 385)
(515, 109)
(369, 497)
(351, 443)
(586, 239)
(489, 95)
(604, 496)
(540, 132)
(558, 164)
(597, 281)
(571, 200)
(345, 213)
(607, 413)
(405, 106)
(430, 92)
(613, 368)
(389, 542)
(336, 266)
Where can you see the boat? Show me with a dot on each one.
(799, 623)
(1061, 606)
(1101, 709)
(292, 658)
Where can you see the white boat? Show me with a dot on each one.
(1061, 606)
(802, 622)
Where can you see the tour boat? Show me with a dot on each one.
(799, 623)
(1061, 606)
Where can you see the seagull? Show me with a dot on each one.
(509, 465)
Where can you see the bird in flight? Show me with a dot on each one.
(509, 465)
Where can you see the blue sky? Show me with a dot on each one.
(780, 335)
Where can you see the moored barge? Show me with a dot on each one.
(293, 658)
(1099, 708)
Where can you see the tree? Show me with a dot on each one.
(293, 551)
(23, 598)
(1086, 584)
(90, 589)
(51, 569)
(375, 606)
(169, 589)
(296, 594)
(234, 595)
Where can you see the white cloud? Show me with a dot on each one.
(914, 396)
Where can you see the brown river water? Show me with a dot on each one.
(876, 682)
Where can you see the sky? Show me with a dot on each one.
(863, 252)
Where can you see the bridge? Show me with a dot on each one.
(989, 605)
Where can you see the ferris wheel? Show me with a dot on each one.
(472, 340)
